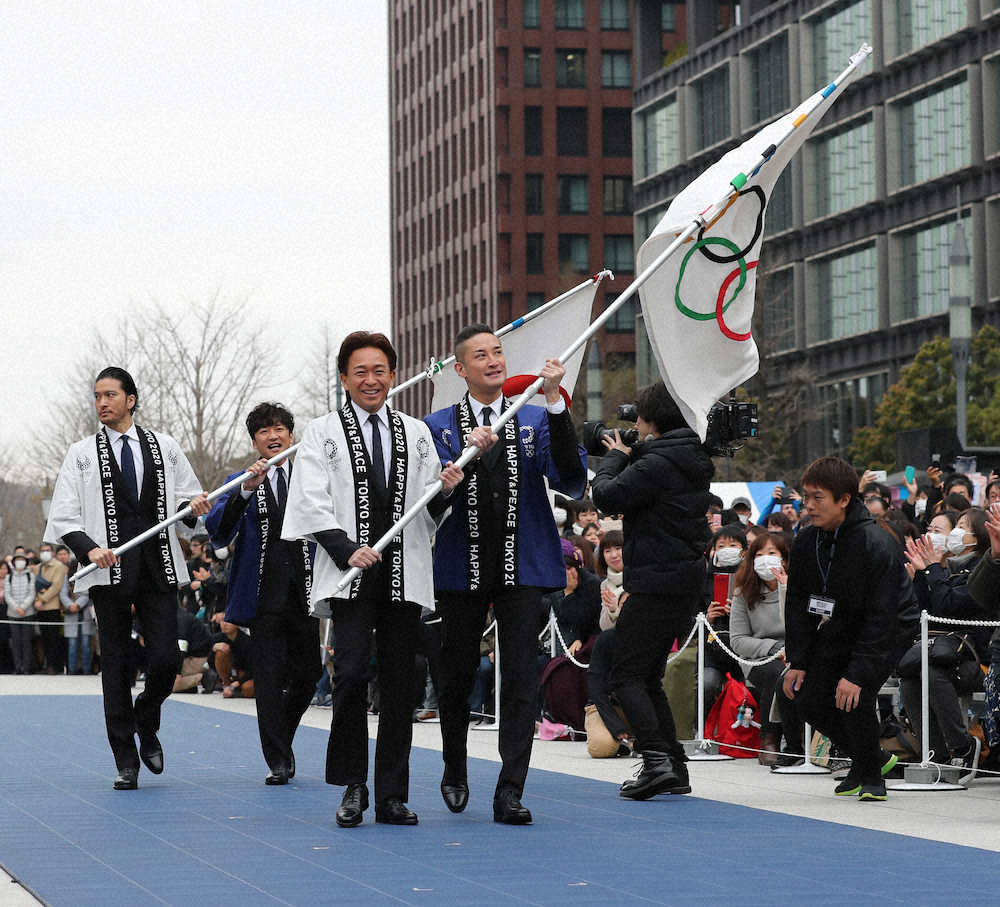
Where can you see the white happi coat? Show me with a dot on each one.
(322, 495)
(78, 501)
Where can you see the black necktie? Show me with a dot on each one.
(486, 416)
(282, 491)
(128, 469)
(378, 459)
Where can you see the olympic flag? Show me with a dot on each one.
(698, 305)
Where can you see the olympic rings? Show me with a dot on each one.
(758, 229)
(720, 309)
(701, 243)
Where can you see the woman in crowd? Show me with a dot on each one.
(611, 739)
(592, 533)
(19, 594)
(984, 586)
(943, 591)
(757, 630)
(779, 522)
(725, 555)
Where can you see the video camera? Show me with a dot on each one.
(729, 422)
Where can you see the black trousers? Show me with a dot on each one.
(463, 619)
(644, 633)
(284, 649)
(855, 732)
(52, 637)
(598, 675)
(396, 629)
(157, 612)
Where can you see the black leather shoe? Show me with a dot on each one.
(352, 806)
(291, 766)
(276, 776)
(455, 793)
(507, 808)
(393, 811)
(658, 774)
(128, 779)
(151, 753)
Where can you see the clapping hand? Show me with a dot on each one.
(921, 553)
(781, 575)
(993, 528)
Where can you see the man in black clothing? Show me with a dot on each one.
(269, 590)
(842, 616)
(661, 487)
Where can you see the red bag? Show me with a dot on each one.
(733, 720)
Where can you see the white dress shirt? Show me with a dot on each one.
(272, 478)
(383, 428)
(132, 439)
(477, 408)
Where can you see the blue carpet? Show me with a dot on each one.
(208, 831)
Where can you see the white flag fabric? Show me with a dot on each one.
(528, 346)
(697, 306)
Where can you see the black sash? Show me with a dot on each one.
(264, 519)
(512, 466)
(104, 456)
(363, 497)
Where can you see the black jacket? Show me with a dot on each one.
(579, 612)
(945, 594)
(662, 493)
(867, 582)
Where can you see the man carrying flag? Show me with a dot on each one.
(498, 546)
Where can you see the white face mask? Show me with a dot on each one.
(956, 540)
(559, 515)
(939, 540)
(764, 563)
(743, 518)
(45, 556)
(727, 557)
(20, 564)
(222, 553)
(920, 506)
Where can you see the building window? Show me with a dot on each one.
(616, 131)
(769, 87)
(835, 36)
(574, 251)
(532, 14)
(843, 169)
(844, 295)
(595, 380)
(777, 302)
(532, 67)
(571, 131)
(532, 130)
(534, 263)
(534, 301)
(618, 254)
(617, 195)
(573, 195)
(921, 22)
(623, 321)
(614, 15)
(570, 14)
(659, 141)
(648, 220)
(923, 287)
(616, 69)
(533, 193)
(934, 135)
(846, 406)
(571, 68)
(668, 16)
(779, 205)
(712, 116)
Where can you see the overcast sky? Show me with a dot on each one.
(165, 149)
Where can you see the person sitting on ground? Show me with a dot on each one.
(580, 608)
(194, 642)
(611, 570)
(944, 592)
(757, 631)
(231, 651)
(584, 551)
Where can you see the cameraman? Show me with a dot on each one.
(661, 486)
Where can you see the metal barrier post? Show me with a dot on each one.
(700, 749)
(808, 767)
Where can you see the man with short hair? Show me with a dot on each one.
(113, 486)
(957, 483)
(48, 584)
(877, 499)
(845, 577)
(357, 472)
(269, 589)
(498, 546)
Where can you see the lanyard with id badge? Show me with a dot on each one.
(822, 605)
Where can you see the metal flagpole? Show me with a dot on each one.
(185, 512)
(700, 221)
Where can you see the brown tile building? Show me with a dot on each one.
(511, 167)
